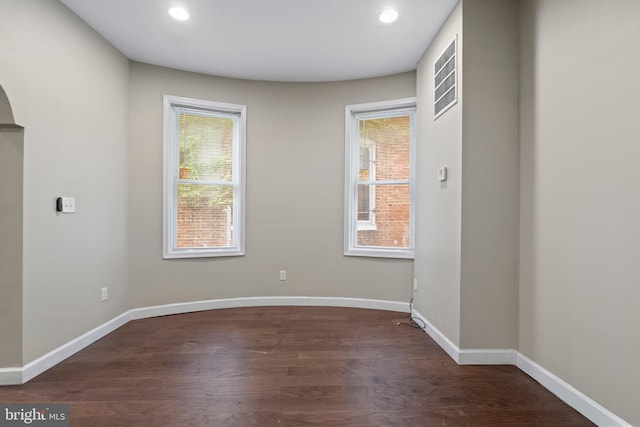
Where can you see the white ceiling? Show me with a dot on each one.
(277, 40)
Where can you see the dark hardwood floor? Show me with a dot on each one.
(285, 366)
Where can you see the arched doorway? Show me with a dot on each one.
(11, 178)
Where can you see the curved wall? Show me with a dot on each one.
(295, 193)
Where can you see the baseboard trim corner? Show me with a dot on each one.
(441, 339)
(10, 376)
(570, 395)
(592, 410)
(47, 361)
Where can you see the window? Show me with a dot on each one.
(204, 146)
(380, 141)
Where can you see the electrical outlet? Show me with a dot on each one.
(104, 295)
(415, 284)
(442, 173)
(283, 275)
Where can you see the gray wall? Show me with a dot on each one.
(559, 284)
(490, 172)
(295, 193)
(11, 165)
(438, 218)
(467, 233)
(69, 89)
(580, 198)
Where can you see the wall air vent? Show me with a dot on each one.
(445, 80)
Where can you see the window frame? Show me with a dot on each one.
(353, 113)
(171, 177)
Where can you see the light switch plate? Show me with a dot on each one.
(68, 204)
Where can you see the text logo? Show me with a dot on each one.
(41, 415)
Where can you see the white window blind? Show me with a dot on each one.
(204, 178)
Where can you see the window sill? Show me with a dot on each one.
(202, 253)
(381, 253)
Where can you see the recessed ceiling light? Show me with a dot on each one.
(179, 13)
(388, 16)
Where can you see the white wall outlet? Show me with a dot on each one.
(415, 284)
(68, 204)
(283, 275)
(104, 295)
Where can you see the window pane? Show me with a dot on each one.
(206, 146)
(364, 203)
(204, 216)
(392, 217)
(386, 142)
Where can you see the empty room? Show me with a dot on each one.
(319, 212)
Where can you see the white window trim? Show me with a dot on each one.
(393, 108)
(171, 175)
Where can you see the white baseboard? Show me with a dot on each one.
(188, 307)
(20, 375)
(571, 396)
(441, 339)
(41, 364)
(595, 412)
(10, 376)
